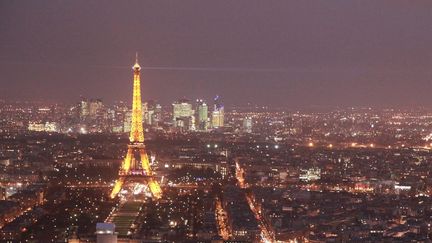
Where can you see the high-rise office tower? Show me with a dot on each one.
(152, 113)
(218, 113)
(182, 108)
(145, 111)
(157, 115)
(247, 124)
(183, 115)
(127, 121)
(202, 115)
(95, 106)
(84, 108)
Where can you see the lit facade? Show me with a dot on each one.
(84, 108)
(94, 108)
(218, 114)
(43, 127)
(183, 115)
(218, 119)
(182, 108)
(202, 113)
(247, 125)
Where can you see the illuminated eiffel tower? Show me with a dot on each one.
(135, 167)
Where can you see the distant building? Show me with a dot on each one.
(182, 108)
(247, 125)
(127, 121)
(157, 115)
(311, 174)
(5, 161)
(223, 169)
(152, 113)
(147, 113)
(43, 127)
(95, 107)
(218, 113)
(3, 193)
(183, 115)
(84, 109)
(202, 115)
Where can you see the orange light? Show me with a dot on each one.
(136, 138)
(117, 187)
(155, 188)
(136, 133)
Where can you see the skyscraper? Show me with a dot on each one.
(247, 124)
(94, 107)
(183, 115)
(152, 113)
(157, 115)
(127, 121)
(202, 115)
(84, 109)
(218, 113)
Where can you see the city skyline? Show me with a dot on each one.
(301, 54)
(215, 121)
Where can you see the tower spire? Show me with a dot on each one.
(136, 66)
(136, 133)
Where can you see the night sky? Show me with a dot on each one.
(277, 53)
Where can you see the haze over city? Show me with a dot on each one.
(284, 53)
(215, 121)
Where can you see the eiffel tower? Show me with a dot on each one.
(135, 167)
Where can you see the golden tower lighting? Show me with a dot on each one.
(134, 166)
